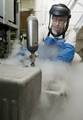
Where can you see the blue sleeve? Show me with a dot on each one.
(49, 41)
(66, 54)
(66, 50)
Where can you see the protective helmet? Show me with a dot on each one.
(59, 10)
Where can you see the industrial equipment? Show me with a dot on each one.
(20, 88)
(9, 13)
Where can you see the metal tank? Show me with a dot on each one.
(32, 37)
(32, 33)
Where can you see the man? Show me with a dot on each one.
(58, 46)
(63, 49)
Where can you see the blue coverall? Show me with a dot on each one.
(47, 50)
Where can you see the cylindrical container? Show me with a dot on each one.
(32, 33)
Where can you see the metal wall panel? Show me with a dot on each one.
(9, 10)
(1, 8)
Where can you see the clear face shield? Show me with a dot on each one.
(58, 25)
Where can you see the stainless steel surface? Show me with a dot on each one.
(8, 109)
(1, 8)
(20, 89)
(32, 33)
(7, 10)
(7, 15)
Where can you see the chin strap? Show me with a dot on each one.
(63, 33)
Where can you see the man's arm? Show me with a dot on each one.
(66, 54)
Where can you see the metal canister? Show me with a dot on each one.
(32, 33)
